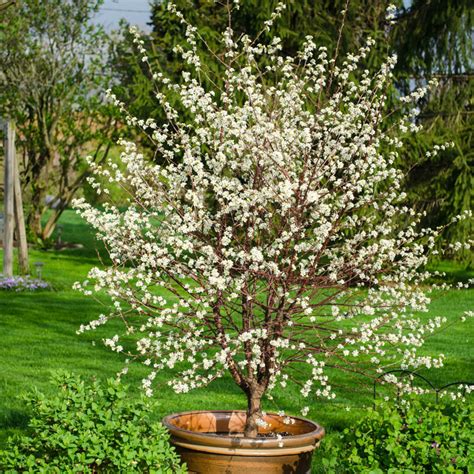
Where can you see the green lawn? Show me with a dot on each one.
(39, 336)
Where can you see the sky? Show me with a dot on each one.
(137, 12)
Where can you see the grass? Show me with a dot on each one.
(39, 336)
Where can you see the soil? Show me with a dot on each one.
(260, 435)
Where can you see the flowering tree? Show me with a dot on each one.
(270, 243)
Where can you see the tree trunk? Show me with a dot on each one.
(20, 225)
(34, 221)
(52, 222)
(254, 411)
(37, 208)
(9, 199)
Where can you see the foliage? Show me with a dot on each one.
(266, 239)
(433, 39)
(407, 436)
(439, 39)
(443, 185)
(322, 20)
(53, 62)
(6, 4)
(90, 428)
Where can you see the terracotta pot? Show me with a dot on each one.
(212, 442)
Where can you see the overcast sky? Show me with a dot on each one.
(137, 12)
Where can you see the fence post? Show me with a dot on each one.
(9, 223)
(20, 222)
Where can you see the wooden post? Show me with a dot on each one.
(20, 222)
(8, 198)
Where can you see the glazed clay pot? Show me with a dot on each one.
(212, 442)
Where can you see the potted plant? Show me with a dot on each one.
(267, 240)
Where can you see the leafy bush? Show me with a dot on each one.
(89, 429)
(408, 436)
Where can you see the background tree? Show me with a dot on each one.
(431, 38)
(6, 3)
(53, 71)
(434, 39)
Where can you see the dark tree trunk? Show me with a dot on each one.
(254, 411)
(34, 221)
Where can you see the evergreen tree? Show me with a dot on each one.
(434, 40)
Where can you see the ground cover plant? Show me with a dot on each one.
(268, 242)
(90, 428)
(22, 283)
(407, 435)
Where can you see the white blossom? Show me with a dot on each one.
(266, 235)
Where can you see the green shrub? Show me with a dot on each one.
(406, 437)
(90, 429)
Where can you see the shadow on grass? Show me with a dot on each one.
(455, 272)
(75, 230)
(15, 419)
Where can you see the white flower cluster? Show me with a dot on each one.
(93, 324)
(391, 13)
(266, 239)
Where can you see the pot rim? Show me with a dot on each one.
(242, 442)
